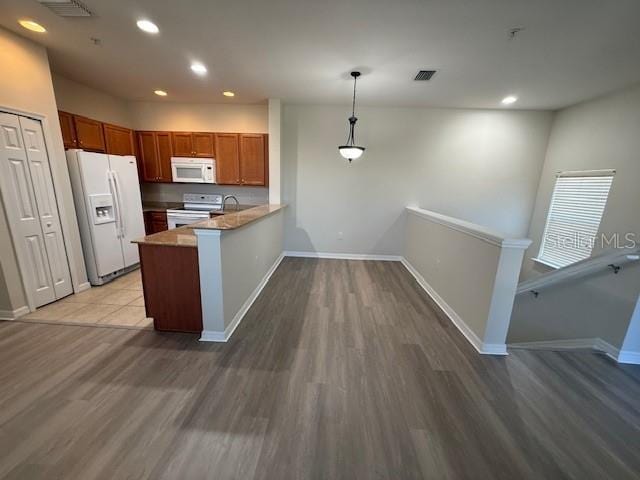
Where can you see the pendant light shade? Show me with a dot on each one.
(350, 150)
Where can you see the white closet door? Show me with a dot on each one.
(47, 207)
(22, 211)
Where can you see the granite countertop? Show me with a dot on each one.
(231, 221)
(186, 237)
(159, 206)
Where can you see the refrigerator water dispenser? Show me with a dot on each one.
(102, 208)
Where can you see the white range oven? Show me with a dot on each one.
(197, 207)
(193, 170)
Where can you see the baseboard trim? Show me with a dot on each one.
(629, 357)
(344, 256)
(597, 344)
(14, 314)
(571, 344)
(82, 287)
(214, 336)
(472, 338)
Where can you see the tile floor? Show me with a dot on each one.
(117, 304)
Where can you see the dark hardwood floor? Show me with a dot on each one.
(341, 369)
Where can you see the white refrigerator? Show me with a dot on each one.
(106, 193)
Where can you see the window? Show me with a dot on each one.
(574, 217)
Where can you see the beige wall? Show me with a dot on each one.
(25, 85)
(80, 99)
(200, 117)
(599, 306)
(599, 134)
(470, 271)
(478, 165)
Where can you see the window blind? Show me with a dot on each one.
(577, 205)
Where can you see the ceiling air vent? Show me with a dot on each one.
(424, 75)
(67, 8)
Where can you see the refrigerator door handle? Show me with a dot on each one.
(114, 194)
(119, 200)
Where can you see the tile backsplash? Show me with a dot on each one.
(172, 192)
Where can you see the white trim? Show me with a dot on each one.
(571, 344)
(608, 172)
(213, 336)
(597, 344)
(627, 356)
(344, 256)
(483, 233)
(483, 348)
(14, 314)
(618, 257)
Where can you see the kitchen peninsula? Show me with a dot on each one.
(202, 278)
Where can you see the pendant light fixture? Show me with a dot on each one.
(350, 150)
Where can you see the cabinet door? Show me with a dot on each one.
(182, 144)
(203, 145)
(252, 159)
(89, 133)
(227, 159)
(118, 140)
(157, 222)
(163, 142)
(148, 156)
(68, 130)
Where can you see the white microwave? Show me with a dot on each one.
(193, 170)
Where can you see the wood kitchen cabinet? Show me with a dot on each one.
(118, 140)
(227, 159)
(155, 222)
(253, 165)
(68, 130)
(154, 150)
(188, 144)
(89, 134)
(241, 159)
(203, 145)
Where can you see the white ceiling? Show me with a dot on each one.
(302, 50)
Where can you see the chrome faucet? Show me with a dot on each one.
(227, 197)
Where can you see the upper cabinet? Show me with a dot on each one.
(154, 149)
(89, 134)
(118, 140)
(182, 144)
(68, 130)
(188, 144)
(241, 159)
(203, 145)
(253, 164)
(227, 159)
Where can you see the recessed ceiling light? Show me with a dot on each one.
(198, 68)
(509, 100)
(33, 26)
(229, 93)
(147, 26)
(160, 93)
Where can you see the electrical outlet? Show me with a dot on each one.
(340, 236)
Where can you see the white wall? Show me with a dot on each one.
(74, 97)
(25, 85)
(599, 134)
(477, 165)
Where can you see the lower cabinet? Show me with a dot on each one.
(155, 222)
